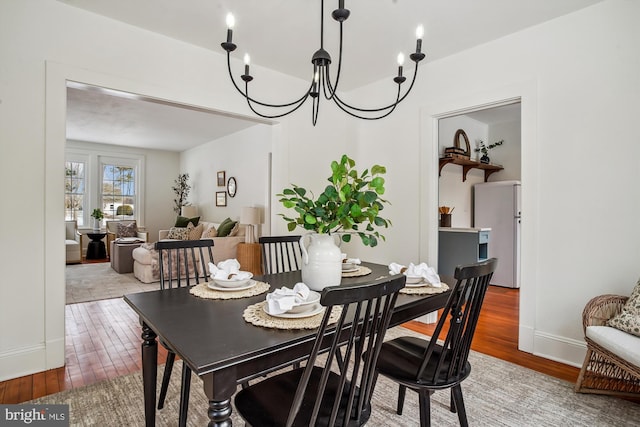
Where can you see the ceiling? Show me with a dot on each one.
(373, 35)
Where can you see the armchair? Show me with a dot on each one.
(73, 242)
(112, 232)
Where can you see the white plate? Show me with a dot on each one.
(233, 283)
(215, 287)
(315, 310)
(412, 280)
(350, 270)
(421, 284)
(312, 299)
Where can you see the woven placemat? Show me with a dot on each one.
(425, 290)
(203, 291)
(361, 271)
(256, 315)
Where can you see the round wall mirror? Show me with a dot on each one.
(231, 187)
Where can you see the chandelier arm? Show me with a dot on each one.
(315, 102)
(374, 110)
(264, 104)
(345, 107)
(274, 116)
(334, 88)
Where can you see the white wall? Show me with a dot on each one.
(576, 76)
(243, 155)
(577, 79)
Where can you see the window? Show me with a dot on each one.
(74, 191)
(118, 198)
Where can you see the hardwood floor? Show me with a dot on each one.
(103, 341)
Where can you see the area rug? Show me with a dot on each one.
(92, 282)
(497, 393)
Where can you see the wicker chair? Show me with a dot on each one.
(604, 372)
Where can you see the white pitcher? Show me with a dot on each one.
(321, 261)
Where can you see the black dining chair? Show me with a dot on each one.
(181, 263)
(321, 393)
(428, 365)
(280, 253)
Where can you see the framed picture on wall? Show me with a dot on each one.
(221, 198)
(221, 180)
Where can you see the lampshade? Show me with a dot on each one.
(190, 211)
(249, 215)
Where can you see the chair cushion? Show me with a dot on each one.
(182, 221)
(628, 320)
(127, 230)
(268, 401)
(622, 344)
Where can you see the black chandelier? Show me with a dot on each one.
(321, 80)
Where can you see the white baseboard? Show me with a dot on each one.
(560, 349)
(24, 361)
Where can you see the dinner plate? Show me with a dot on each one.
(421, 284)
(215, 287)
(350, 270)
(312, 312)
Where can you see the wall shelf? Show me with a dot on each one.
(468, 164)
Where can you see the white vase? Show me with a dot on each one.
(321, 261)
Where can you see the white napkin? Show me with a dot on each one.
(422, 270)
(350, 260)
(284, 299)
(226, 268)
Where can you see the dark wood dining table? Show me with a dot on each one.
(213, 339)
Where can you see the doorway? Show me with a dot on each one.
(498, 127)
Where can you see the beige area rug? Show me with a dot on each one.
(497, 393)
(92, 282)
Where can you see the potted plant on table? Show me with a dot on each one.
(349, 205)
(484, 149)
(97, 216)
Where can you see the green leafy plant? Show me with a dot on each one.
(181, 189)
(350, 204)
(484, 149)
(97, 214)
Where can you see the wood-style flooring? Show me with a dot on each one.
(103, 341)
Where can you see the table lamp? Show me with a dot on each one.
(250, 216)
(190, 211)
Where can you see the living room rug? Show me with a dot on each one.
(96, 281)
(497, 393)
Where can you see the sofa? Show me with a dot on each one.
(145, 257)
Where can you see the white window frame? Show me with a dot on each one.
(86, 199)
(135, 162)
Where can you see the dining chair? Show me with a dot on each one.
(280, 253)
(181, 263)
(320, 393)
(441, 362)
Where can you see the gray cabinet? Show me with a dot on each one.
(460, 246)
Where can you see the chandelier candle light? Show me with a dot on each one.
(321, 79)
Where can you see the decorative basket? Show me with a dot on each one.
(456, 150)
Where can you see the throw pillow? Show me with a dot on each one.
(127, 230)
(628, 320)
(178, 233)
(209, 232)
(195, 232)
(225, 221)
(182, 221)
(225, 228)
(234, 230)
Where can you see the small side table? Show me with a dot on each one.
(248, 255)
(96, 248)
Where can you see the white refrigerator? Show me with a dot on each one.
(496, 205)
